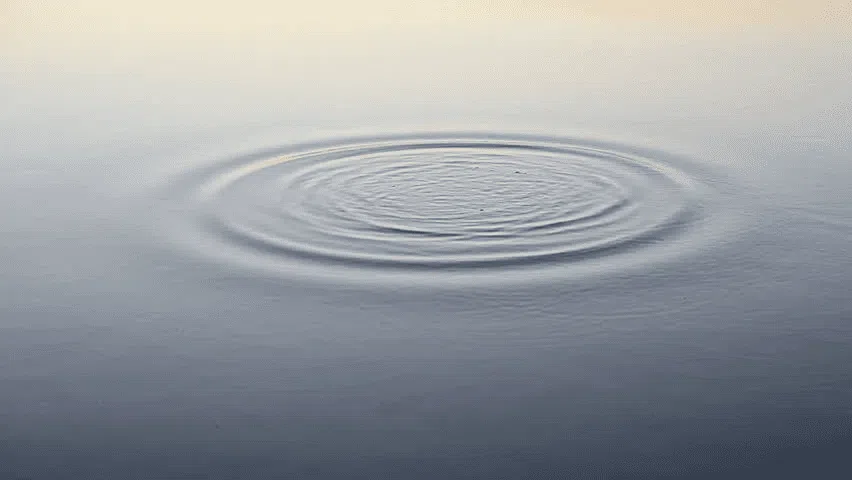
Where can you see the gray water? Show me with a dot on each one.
(402, 241)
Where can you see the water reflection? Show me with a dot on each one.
(248, 240)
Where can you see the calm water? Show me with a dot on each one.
(264, 241)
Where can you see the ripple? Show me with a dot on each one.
(432, 206)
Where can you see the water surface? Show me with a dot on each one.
(425, 242)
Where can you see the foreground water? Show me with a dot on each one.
(506, 249)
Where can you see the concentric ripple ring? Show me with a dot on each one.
(432, 204)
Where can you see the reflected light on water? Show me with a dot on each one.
(93, 17)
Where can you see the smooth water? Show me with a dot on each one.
(404, 241)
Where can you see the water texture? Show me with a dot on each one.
(429, 205)
(425, 240)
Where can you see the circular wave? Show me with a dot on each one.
(461, 204)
